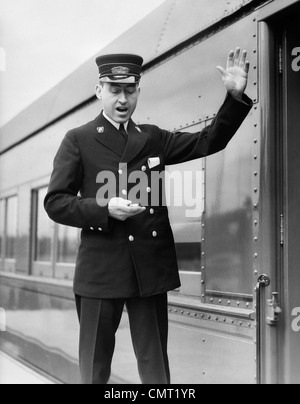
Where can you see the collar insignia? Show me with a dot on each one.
(100, 129)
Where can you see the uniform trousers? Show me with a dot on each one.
(99, 321)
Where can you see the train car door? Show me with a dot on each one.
(289, 349)
(278, 351)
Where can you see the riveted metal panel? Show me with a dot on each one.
(190, 81)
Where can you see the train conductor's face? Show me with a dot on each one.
(119, 100)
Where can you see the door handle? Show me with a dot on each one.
(273, 310)
(262, 282)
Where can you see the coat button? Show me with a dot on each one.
(120, 172)
(124, 192)
(144, 168)
(100, 229)
(131, 238)
(151, 211)
(154, 234)
(148, 190)
(92, 229)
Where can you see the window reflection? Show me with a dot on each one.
(185, 198)
(67, 245)
(44, 230)
(11, 227)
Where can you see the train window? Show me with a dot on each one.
(11, 227)
(44, 229)
(54, 246)
(67, 244)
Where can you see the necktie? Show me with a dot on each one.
(123, 132)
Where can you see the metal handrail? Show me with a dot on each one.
(262, 282)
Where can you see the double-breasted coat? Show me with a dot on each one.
(136, 257)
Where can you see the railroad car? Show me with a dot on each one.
(236, 318)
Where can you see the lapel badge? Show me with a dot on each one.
(138, 129)
(100, 129)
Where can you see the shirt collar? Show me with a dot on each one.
(115, 124)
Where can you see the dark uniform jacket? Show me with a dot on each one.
(136, 257)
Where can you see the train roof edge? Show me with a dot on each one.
(169, 30)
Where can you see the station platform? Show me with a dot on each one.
(14, 372)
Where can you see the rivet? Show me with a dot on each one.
(254, 50)
(255, 141)
(217, 318)
(255, 190)
(232, 321)
(249, 325)
(229, 302)
(220, 301)
(255, 255)
(202, 282)
(241, 324)
(238, 303)
(255, 125)
(255, 173)
(209, 317)
(203, 340)
(224, 320)
(255, 272)
(255, 157)
(256, 222)
(202, 268)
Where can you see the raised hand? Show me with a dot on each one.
(235, 76)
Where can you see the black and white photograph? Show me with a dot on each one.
(149, 194)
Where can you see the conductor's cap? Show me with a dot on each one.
(120, 68)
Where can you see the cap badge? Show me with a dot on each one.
(100, 129)
(120, 70)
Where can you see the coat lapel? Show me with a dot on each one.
(108, 135)
(136, 142)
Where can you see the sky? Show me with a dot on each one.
(43, 41)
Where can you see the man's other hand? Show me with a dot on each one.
(121, 209)
(235, 77)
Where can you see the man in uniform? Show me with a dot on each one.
(127, 251)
